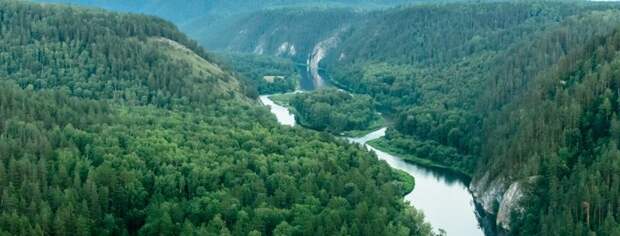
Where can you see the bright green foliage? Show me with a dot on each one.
(115, 124)
(541, 103)
(333, 110)
(110, 169)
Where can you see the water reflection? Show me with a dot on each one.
(443, 197)
(307, 81)
(444, 176)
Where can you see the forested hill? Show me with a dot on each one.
(192, 9)
(117, 124)
(520, 95)
(562, 137)
(290, 32)
(202, 19)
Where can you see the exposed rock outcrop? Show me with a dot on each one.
(488, 192)
(318, 54)
(509, 203)
(500, 197)
(286, 49)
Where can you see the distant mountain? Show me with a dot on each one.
(197, 8)
(202, 18)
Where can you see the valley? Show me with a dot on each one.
(443, 197)
(298, 117)
(451, 106)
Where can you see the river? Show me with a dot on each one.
(444, 198)
(310, 80)
(284, 116)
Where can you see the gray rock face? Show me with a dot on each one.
(319, 53)
(510, 202)
(500, 197)
(488, 192)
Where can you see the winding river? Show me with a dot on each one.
(447, 204)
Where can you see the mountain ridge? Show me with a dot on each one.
(118, 124)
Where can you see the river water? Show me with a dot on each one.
(284, 116)
(444, 198)
(310, 81)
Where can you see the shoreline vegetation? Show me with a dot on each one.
(119, 124)
(407, 181)
(382, 144)
(286, 99)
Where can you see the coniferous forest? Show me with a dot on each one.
(116, 123)
(334, 111)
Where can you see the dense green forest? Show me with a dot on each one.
(517, 91)
(206, 20)
(438, 88)
(334, 111)
(514, 90)
(568, 122)
(525, 93)
(117, 124)
(262, 74)
(442, 96)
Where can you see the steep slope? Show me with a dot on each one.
(457, 106)
(290, 32)
(117, 124)
(435, 83)
(204, 19)
(568, 122)
(472, 88)
(102, 58)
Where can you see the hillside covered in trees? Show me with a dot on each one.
(261, 74)
(117, 124)
(520, 95)
(512, 93)
(205, 19)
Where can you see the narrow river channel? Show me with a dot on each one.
(444, 198)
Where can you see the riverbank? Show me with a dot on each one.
(284, 100)
(443, 197)
(383, 145)
(408, 182)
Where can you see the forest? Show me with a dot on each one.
(143, 132)
(577, 155)
(205, 21)
(261, 74)
(118, 124)
(335, 111)
(512, 90)
(526, 94)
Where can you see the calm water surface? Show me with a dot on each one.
(444, 198)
